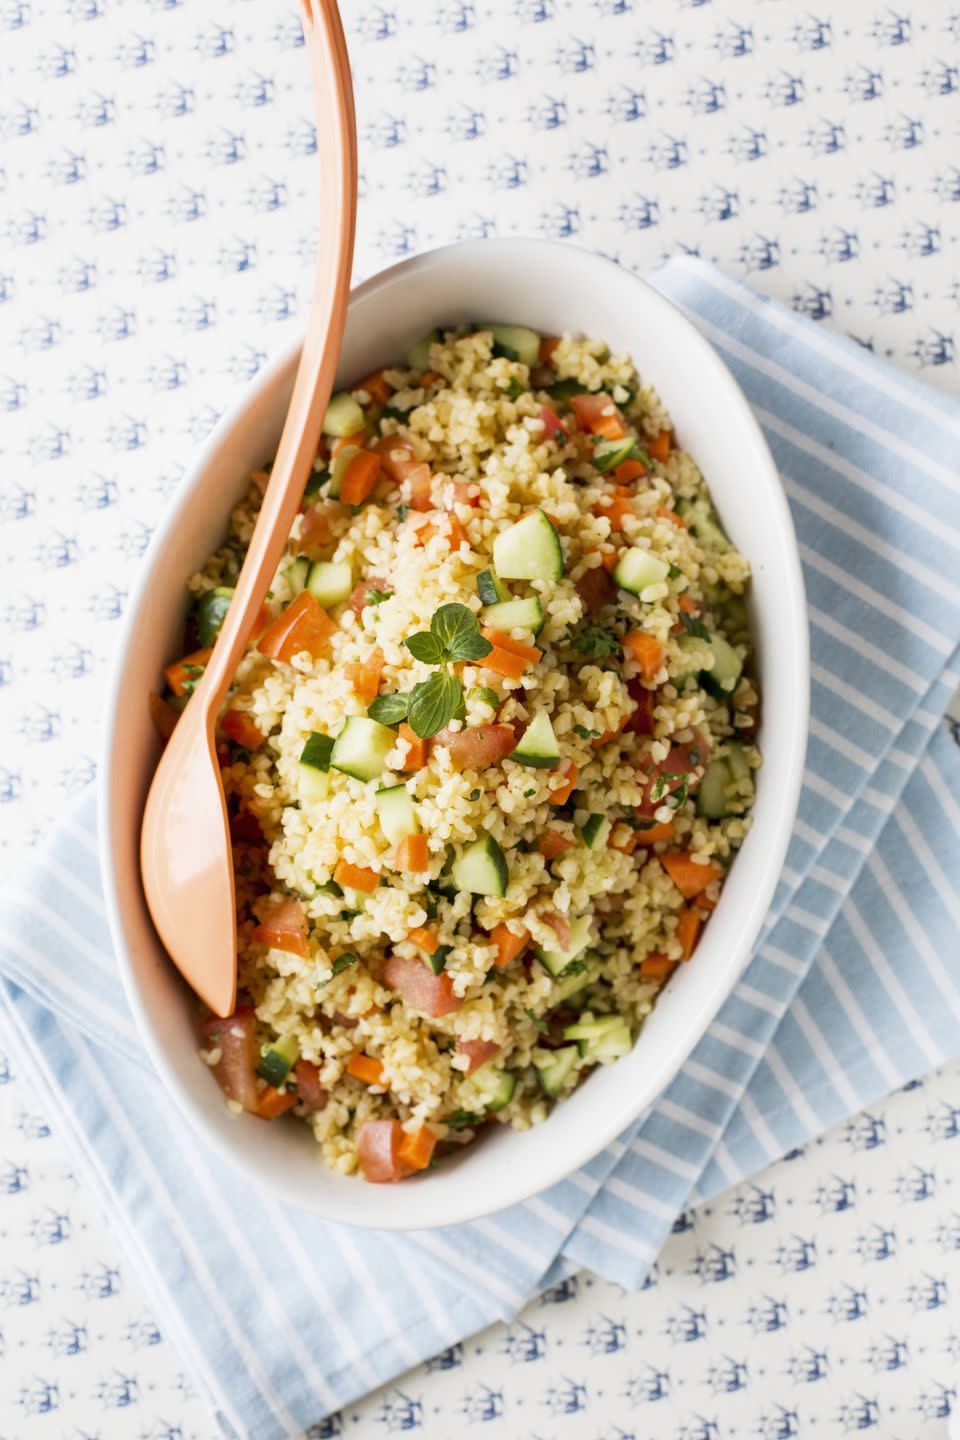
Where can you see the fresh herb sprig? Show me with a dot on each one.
(454, 636)
(596, 642)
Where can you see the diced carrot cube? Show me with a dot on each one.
(598, 414)
(364, 675)
(548, 344)
(562, 794)
(554, 843)
(365, 1068)
(509, 944)
(656, 966)
(239, 726)
(272, 1102)
(416, 1148)
(182, 676)
(667, 514)
(418, 752)
(688, 930)
(412, 855)
(628, 471)
(363, 472)
(425, 939)
(647, 651)
(376, 386)
(656, 833)
(356, 877)
(689, 876)
(659, 446)
(502, 641)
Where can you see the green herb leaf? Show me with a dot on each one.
(573, 967)
(584, 733)
(458, 631)
(484, 695)
(563, 389)
(541, 1025)
(391, 412)
(674, 572)
(433, 703)
(315, 483)
(377, 597)
(596, 642)
(475, 794)
(425, 646)
(693, 626)
(342, 962)
(316, 752)
(402, 512)
(389, 709)
(191, 677)
(515, 389)
(463, 1120)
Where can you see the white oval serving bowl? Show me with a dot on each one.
(552, 288)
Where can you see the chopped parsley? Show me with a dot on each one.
(541, 1024)
(693, 626)
(584, 733)
(596, 642)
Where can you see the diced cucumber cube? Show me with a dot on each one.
(330, 582)
(602, 1040)
(481, 868)
(343, 417)
(515, 342)
(362, 747)
(293, 574)
(737, 760)
(579, 980)
(538, 746)
(596, 832)
(488, 1090)
(490, 590)
(608, 454)
(556, 961)
(703, 522)
(418, 356)
(516, 615)
(397, 813)
(278, 1060)
(529, 550)
(313, 786)
(212, 610)
(555, 1068)
(727, 665)
(484, 695)
(712, 798)
(637, 568)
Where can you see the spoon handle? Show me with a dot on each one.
(337, 151)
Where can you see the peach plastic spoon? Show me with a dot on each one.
(185, 851)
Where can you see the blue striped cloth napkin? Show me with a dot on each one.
(853, 989)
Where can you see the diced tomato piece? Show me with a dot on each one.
(378, 1151)
(419, 988)
(629, 471)
(365, 1068)
(364, 675)
(509, 944)
(182, 676)
(377, 387)
(689, 876)
(425, 939)
(246, 827)
(478, 1052)
(412, 856)
(302, 626)
(552, 424)
(316, 526)
(284, 928)
(548, 344)
(659, 446)
(418, 752)
(683, 763)
(647, 651)
(595, 589)
(656, 966)
(598, 414)
(417, 487)
(363, 472)
(356, 877)
(688, 930)
(554, 843)
(397, 457)
(641, 721)
(477, 746)
(310, 1091)
(236, 1039)
(272, 1102)
(239, 726)
(562, 793)
(416, 1148)
(164, 716)
(560, 925)
(466, 492)
(358, 600)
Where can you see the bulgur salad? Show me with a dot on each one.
(489, 753)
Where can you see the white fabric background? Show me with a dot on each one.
(156, 203)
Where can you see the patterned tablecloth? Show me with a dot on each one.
(156, 203)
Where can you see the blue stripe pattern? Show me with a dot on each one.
(854, 986)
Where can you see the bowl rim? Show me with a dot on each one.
(716, 985)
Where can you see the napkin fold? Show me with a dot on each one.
(854, 986)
